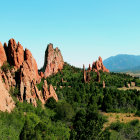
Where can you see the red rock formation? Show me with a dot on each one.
(27, 76)
(15, 53)
(53, 93)
(89, 68)
(3, 57)
(98, 65)
(9, 79)
(53, 61)
(103, 84)
(6, 101)
(98, 76)
(32, 65)
(28, 79)
(85, 77)
(49, 93)
(41, 74)
(88, 77)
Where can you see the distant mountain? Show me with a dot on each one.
(123, 63)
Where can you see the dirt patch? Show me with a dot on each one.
(125, 88)
(122, 117)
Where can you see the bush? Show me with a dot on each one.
(51, 103)
(64, 111)
(138, 113)
(14, 91)
(6, 66)
(116, 126)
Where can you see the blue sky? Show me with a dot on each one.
(82, 29)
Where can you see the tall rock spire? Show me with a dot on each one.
(3, 57)
(53, 61)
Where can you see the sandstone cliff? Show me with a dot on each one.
(24, 74)
(53, 61)
(15, 53)
(96, 66)
(3, 57)
(6, 101)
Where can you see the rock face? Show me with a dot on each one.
(15, 53)
(9, 79)
(6, 101)
(3, 57)
(24, 75)
(53, 61)
(87, 77)
(103, 84)
(28, 79)
(98, 65)
(49, 93)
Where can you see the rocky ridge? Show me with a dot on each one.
(97, 66)
(53, 61)
(24, 74)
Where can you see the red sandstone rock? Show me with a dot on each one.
(42, 74)
(98, 65)
(28, 79)
(85, 77)
(89, 68)
(9, 79)
(6, 101)
(103, 84)
(53, 61)
(32, 66)
(3, 57)
(15, 53)
(49, 93)
(53, 93)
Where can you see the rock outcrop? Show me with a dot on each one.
(98, 65)
(103, 84)
(28, 79)
(3, 57)
(49, 92)
(24, 74)
(6, 101)
(8, 78)
(53, 61)
(15, 53)
(87, 77)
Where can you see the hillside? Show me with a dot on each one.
(61, 101)
(123, 63)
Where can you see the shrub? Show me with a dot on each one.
(51, 103)
(64, 111)
(138, 113)
(6, 66)
(116, 126)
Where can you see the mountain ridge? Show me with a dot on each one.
(122, 62)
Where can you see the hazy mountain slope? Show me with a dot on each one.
(122, 62)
